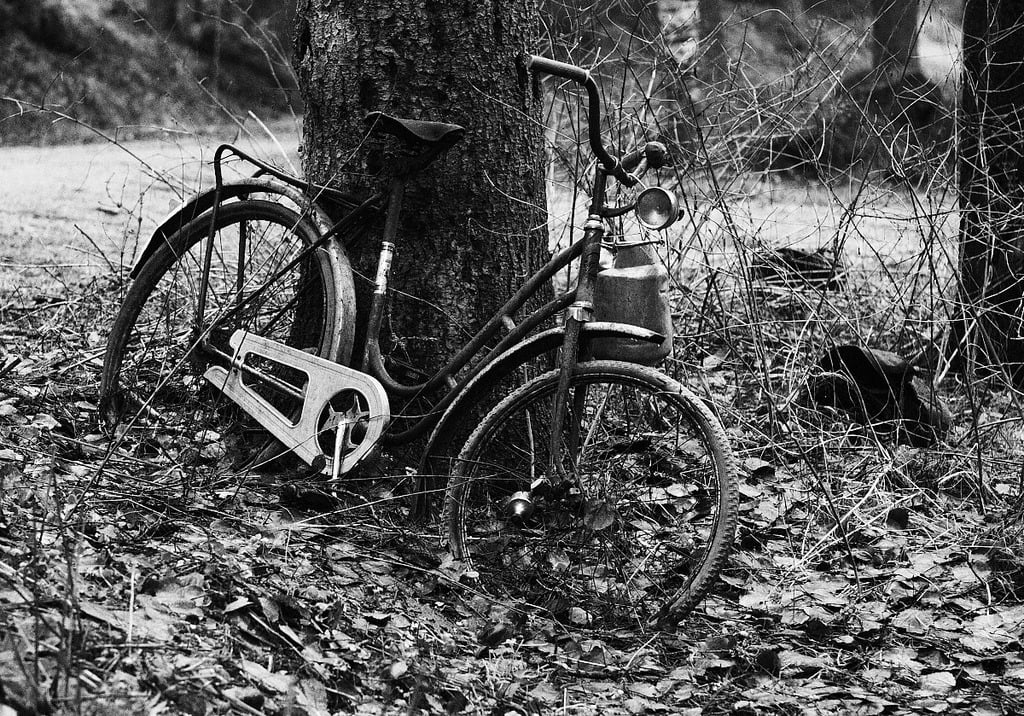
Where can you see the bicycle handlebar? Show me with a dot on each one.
(559, 69)
(583, 77)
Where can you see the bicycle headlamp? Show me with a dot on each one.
(657, 208)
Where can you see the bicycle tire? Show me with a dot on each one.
(648, 519)
(152, 381)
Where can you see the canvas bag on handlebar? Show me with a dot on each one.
(634, 291)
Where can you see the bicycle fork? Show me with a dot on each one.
(556, 478)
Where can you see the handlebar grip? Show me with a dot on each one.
(559, 69)
(631, 161)
(654, 153)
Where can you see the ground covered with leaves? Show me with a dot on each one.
(869, 578)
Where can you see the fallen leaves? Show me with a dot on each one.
(900, 600)
(278, 682)
(914, 621)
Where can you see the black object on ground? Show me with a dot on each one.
(878, 388)
(799, 268)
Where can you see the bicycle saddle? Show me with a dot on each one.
(413, 130)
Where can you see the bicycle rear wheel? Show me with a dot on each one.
(641, 522)
(260, 280)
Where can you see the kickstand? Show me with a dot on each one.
(270, 451)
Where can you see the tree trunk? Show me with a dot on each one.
(474, 222)
(218, 43)
(894, 36)
(163, 14)
(988, 333)
(714, 57)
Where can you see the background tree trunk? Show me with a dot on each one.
(714, 57)
(217, 11)
(584, 32)
(163, 14)
(474, 223)
(989, 332)
(894, 37)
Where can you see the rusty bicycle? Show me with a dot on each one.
(596, 486)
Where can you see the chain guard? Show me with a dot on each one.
(344, 411)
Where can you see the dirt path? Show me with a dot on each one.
(73, 211)
(70, 211)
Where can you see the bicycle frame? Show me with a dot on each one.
(386, 207)
(372, 361)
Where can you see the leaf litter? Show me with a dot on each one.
(128, 586)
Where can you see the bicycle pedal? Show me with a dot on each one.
(344, 411)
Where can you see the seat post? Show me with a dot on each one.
(396, 192)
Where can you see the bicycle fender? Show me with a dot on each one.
(499, 369)
(203, 202)
(345, 297)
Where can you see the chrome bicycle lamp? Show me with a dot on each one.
(519, 506)
(657, 208)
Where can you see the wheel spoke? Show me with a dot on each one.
(617, 540)
(261, 279)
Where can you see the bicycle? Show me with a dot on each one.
(601, 484)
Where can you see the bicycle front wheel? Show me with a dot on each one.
(263, 278)
(637, 523)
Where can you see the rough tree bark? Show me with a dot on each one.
(988, 332)
(474, 223)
